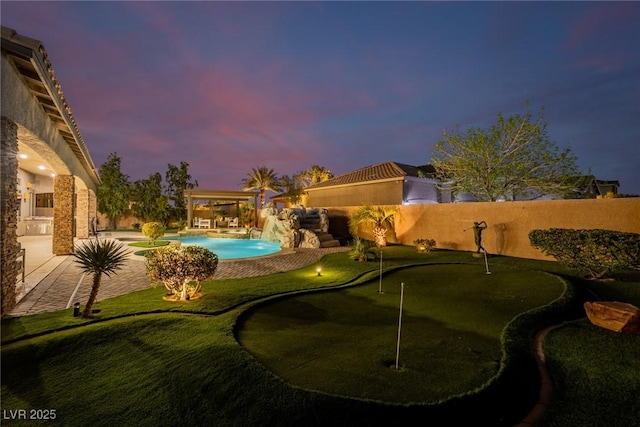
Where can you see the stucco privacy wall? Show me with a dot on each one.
(509, 223)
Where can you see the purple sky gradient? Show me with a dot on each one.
(227, 86)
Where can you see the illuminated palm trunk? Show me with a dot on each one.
(379, 236)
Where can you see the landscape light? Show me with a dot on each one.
(319, 271)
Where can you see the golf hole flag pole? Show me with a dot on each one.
(486, 263)
(399, 324)
(380, 285)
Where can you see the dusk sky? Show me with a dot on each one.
(227, 86)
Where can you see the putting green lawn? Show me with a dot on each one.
(318, 358)
(344, 341)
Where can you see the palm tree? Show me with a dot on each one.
(379, 217)
(314, 175)
(99, 257)
(262, 179)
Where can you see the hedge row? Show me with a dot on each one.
(595, 253)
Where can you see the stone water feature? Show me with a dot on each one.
(297, 227)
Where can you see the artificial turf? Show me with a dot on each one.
(345, 341)
(145, 361)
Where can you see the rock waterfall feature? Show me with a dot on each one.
(297, 227)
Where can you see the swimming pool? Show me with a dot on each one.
(232, 248)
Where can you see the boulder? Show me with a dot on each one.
(614, 315)
(309, 239)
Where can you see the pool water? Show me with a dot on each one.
(232, 248)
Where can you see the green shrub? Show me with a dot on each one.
(153, 231)
(424, 245)
(596, 253)
(136, 225)
(362, 250)
(181, 269)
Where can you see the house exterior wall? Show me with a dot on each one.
(376, 193)
(420, 191)
(509, 223)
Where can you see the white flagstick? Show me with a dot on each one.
(399, 324)
(380, 286)
(486, 263)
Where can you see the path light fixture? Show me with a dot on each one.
(319, 271)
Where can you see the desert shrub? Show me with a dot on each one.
(153, 231)
(595, 253)
(181, 269)
(424, 245)
(362, 250)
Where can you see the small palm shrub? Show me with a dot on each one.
(181, 269)
(153, 231)
(362, 250)
(424, 245)
(595, 253)
(99, 257)
(380, 218)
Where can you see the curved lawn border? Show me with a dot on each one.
(519, 373)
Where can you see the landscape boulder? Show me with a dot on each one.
(614, 315)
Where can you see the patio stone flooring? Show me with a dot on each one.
(56, 290)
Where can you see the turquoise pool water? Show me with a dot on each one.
(232, 248)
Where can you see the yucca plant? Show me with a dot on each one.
(379, 217)
(99, 257)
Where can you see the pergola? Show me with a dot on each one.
(219, 195)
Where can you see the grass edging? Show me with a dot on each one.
(507, 396)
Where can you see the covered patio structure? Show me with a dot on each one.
(220, 196)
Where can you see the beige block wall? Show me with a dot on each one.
(509, 223)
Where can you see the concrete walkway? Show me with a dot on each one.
(50, 281)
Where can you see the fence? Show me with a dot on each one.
(509, 223)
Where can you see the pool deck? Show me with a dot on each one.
(51, 281)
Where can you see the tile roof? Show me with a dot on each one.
(380, 172)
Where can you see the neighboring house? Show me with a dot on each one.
(588, 188)
(387, 183)
(597, 187)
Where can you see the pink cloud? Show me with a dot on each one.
(600, 18)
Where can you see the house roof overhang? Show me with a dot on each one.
(221, 194)
(31, 61)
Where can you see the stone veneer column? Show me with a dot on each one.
(63, 195)
(8, 213)
(82, 214)
(93, 208)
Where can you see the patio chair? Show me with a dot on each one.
(204, 223)
(233, 222)
(196, 222)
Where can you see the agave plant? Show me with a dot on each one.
(99, 257)
(379, 217)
